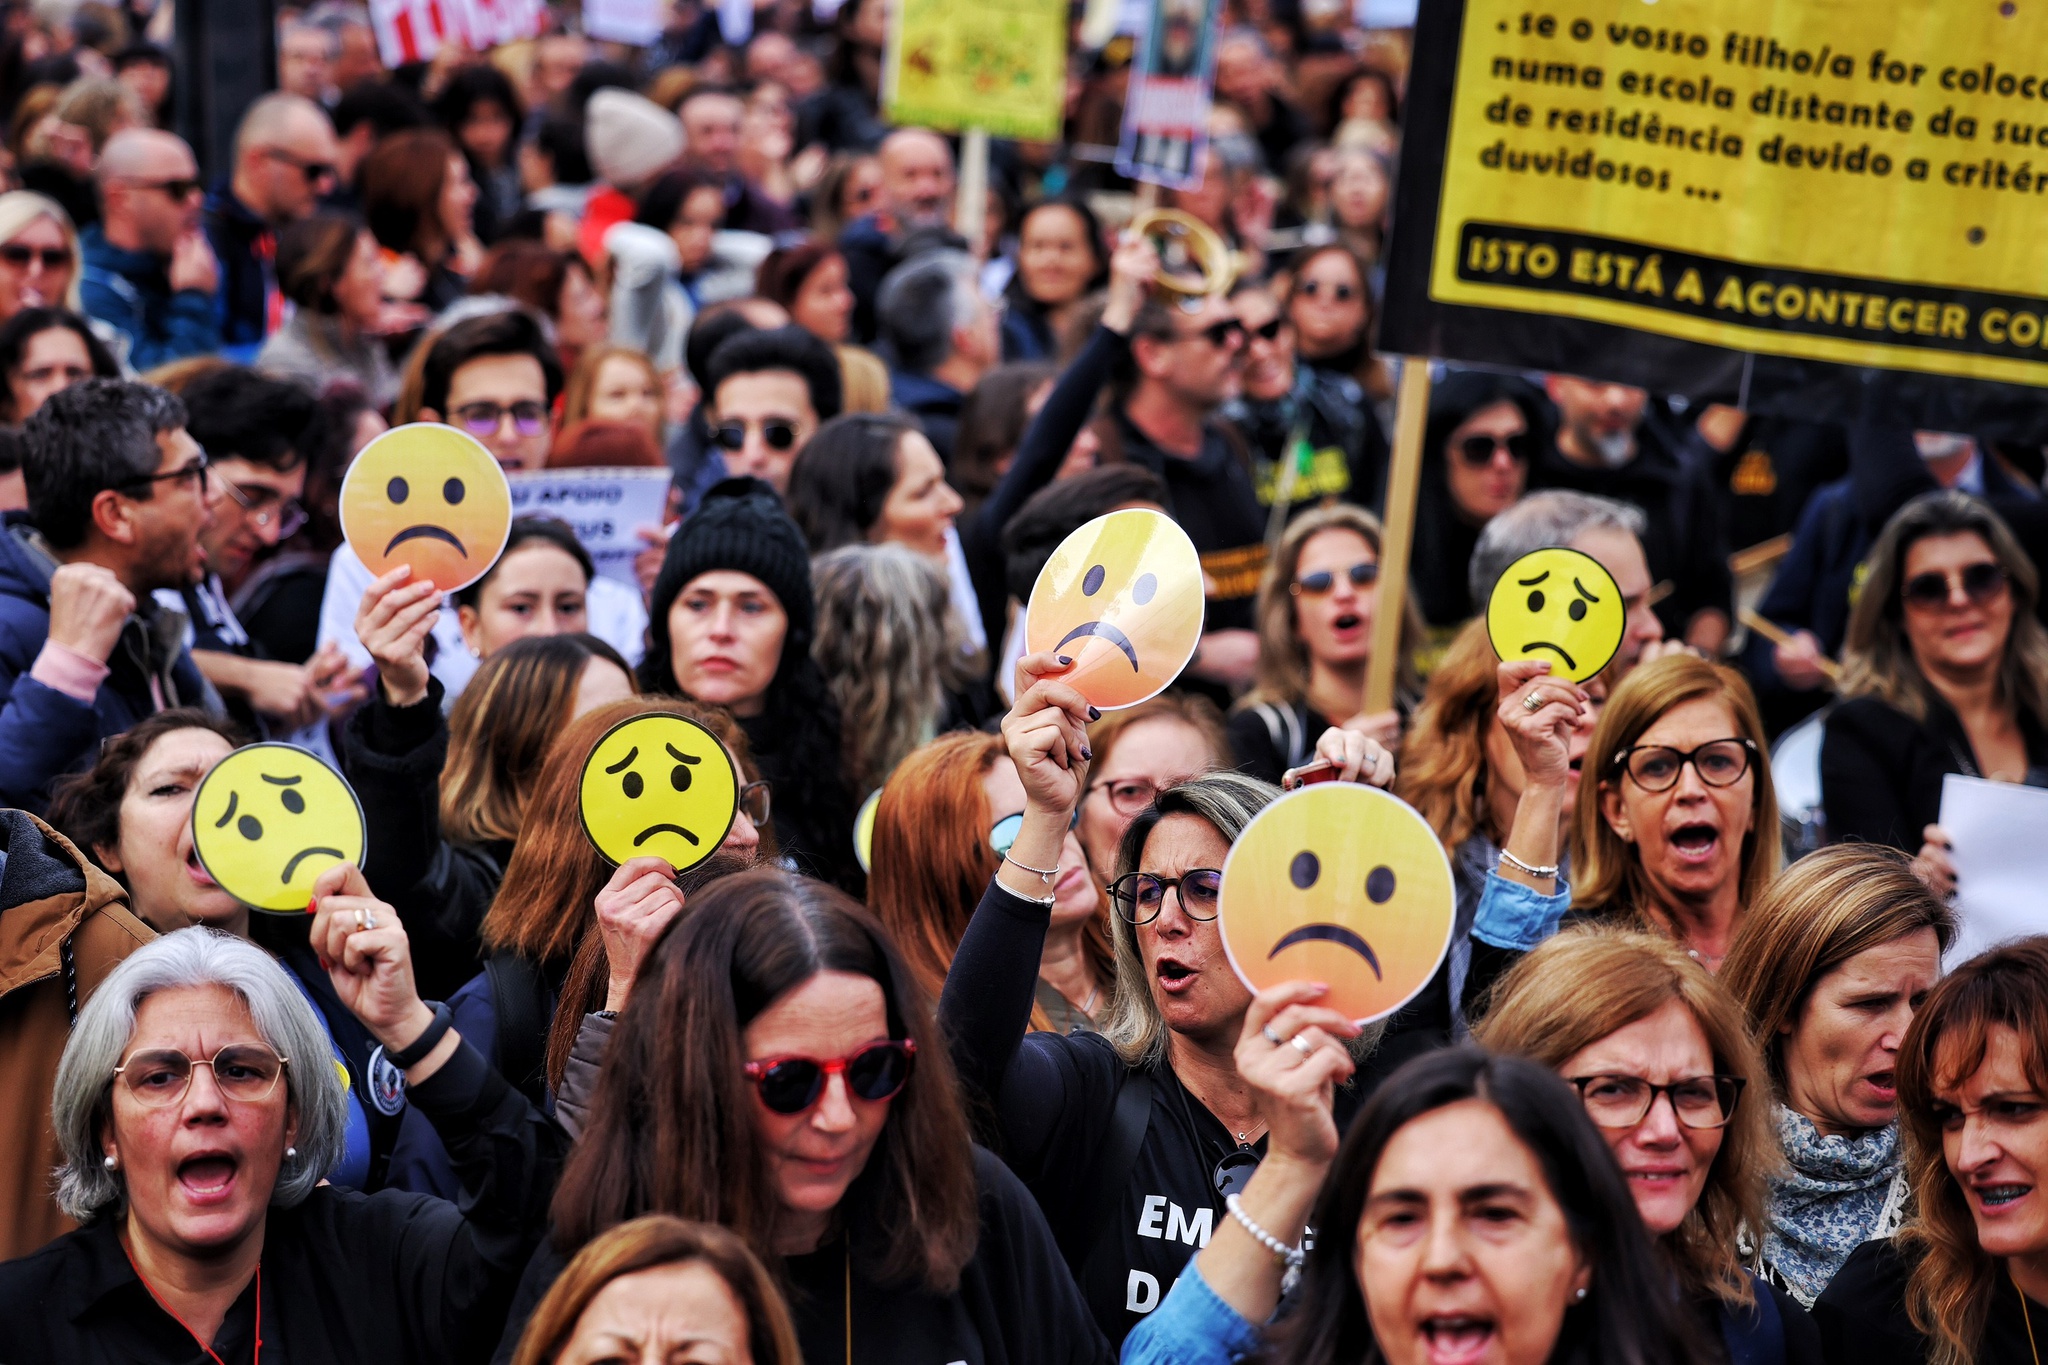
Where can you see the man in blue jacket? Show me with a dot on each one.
(118, 494)
(149, 272)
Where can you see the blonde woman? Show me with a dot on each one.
(1661, 1057)
(614, 383)
(1315, 611)
(38, 254)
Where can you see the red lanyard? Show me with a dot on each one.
(211, 1354)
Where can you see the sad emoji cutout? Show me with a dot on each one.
(661, 785)
(269, 819)
(1121, 597)
(1560, 605)
(429, 496)
(1343, 884)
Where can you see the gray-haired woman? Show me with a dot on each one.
(1130, 1138)
(197, 1108)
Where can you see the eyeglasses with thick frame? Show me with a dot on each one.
(314, 171)
(487, 418)
(196, 472)
(1140, 896)
(1981, 583)
(1477, 451)
(1620, 1101)
(756, 803)
(877, 1072)
(22, 256)
(246, 1073)
(267, 509)
(1657, 767)
(778, 432)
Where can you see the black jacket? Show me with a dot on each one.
(346, 1277)
(1862, 1315)
(1881, 770)
(441, 889)
(1348, 451)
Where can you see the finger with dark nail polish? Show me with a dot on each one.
(1064, 661)
(1087, 754)
(1094, 714)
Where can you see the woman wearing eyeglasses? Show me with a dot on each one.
(38, 254)
(1830, 967)
(1131, 1137)
(1661, 1058)
(198, 1113)
(1678, 833)
(1945, 671)
(1140, 751)
(1315, 614)
(1484, 430)
(779, 1073)
(946, 818)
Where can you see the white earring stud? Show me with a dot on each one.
(108, 1162)
(291, 1153)
(1580, 1297)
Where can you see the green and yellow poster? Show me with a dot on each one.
(1000, 65)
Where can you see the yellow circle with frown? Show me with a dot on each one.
(1560, 605)
(1343, 884)
(1122, 598)
(269, 819)
(659, 784)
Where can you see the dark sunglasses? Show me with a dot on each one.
(790, 1085)
(1217, 334)
(1322, 581)
(485, 418)
(1477, 452)
(1140, 896)
(1002, 836)
(1340, 292)
(314, 171)
(1270, 331)
(1982, 582)
(182, 188)
(22, 257)
(777, 432)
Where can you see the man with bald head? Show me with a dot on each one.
(148, 271)
(712, 117)
(284, 161)
(916, 205)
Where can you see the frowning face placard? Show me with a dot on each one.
(429, 496)
(1122, 598)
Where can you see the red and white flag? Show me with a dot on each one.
(414, 30)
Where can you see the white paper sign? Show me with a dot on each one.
(2001, 860)
(638, 22)
(605, 507)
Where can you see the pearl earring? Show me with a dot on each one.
(1580, 1297)
(108, 1162)
(291, 1153)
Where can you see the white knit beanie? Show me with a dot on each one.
(631, 139)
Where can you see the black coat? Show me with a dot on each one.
(1881, 770)
(1862, 1315)
(347, 1278)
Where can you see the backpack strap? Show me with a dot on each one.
(1285, 728)
(518, 999)
(1102, 1203)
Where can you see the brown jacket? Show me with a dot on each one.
(50, 895)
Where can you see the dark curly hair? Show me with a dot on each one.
(86, 807)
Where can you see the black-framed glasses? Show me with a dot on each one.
(790, 1085)
(1615, 1101)
(1342, 293)
(1126, 795)
(756, 803)
(1981, 582)
(1217, 334)
(484, 417)
(314, 171)
(1323, 580)
(266, 509)
(1140, 896)
(196, 473)
(1002, 835)
(181, 188)
(778, 432)
(1477, 452)
(246, 1073)
(1656, 767)
(1268, 330)
(21, 256)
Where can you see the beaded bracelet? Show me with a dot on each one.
(1512, 861)
(1291, 1257)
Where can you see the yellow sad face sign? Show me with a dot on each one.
(1343, 884)
(1558, 605)
(269, 819)
(659, 785)
(1121, 597)
(429, 496)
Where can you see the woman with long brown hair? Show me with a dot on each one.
(418, 199)
(1661, 1058)
(946, 817)
(780, 1073)
(1966, 1279)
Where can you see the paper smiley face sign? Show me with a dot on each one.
(429, 496)
(1343, 884)
(1122, 597)
(659, 784)
(269, 819)
(1560, 605)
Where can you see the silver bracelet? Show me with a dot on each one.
(1051, 894)
(1291, 1257)
(1512, 861)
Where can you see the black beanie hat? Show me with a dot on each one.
(741, 525)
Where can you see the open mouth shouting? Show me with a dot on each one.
(208, 1178)
(1457, 1338)
(1175, 978)
(1695, 844)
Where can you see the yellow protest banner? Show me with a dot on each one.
(1826, 180)
(1000, 65)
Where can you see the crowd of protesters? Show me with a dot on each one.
(1698, 1080)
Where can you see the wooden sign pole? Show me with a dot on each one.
(970, 204)
(1411, 416)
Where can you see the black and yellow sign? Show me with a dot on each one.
(1835, 183)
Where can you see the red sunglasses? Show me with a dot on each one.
(790, 1085)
